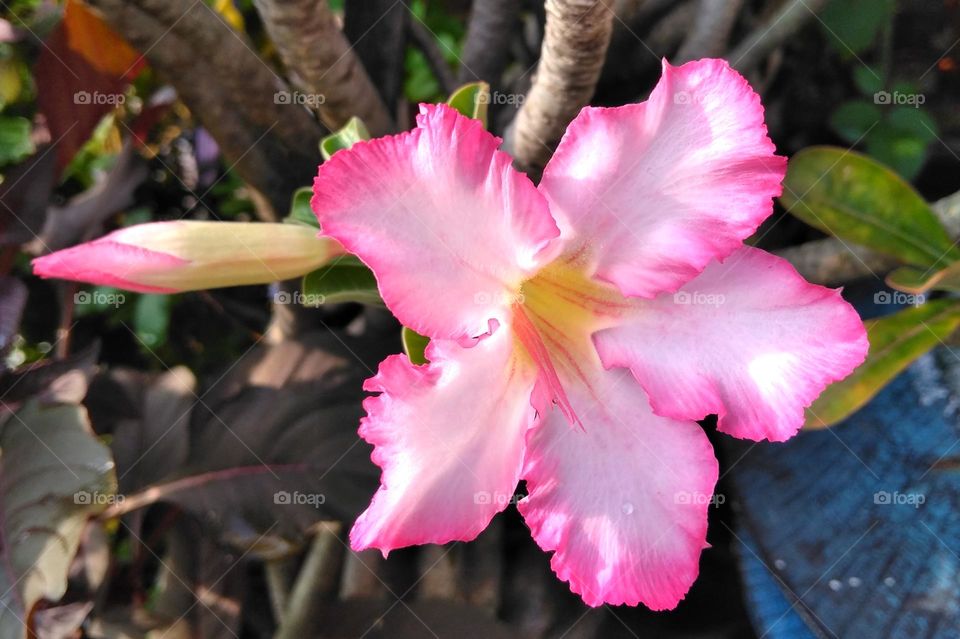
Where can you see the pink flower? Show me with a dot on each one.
(618, 290)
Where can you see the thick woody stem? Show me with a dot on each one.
(574, 47)
(486, 50)
(321, 63)
(216, 73)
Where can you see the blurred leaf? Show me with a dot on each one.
(895, 341)
(90, 37)
(24, 195)
(73, 94)
(272, 448)
(852, 26)
(471, 100)
(902, 139)
(13, 298)
(419, 84)
(62, 622)
(54, 475)
(913, 120)
(414, 345)
(852, 120)
(912, 280)
(867, 79)
(151, 319)
(11, 82)
(155, 439)
(352, 132)
(51, 381)
(15, 141)
(902, 151)
(229, 12)
(300, 211)
(346, 279)
(859, 200)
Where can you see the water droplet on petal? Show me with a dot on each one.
(627, 508)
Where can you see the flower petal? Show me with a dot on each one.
(623, 502)
(449, 228)
(748, 339)
(449, 437)
(658, 189)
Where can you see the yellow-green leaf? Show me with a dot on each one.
(300, 211)
(346, 279)
(895, 342)
(352, 132)
(414, 345)
(859, 200)
(914, 280)
(54, 474)
(471, 100)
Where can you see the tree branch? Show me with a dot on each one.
(321, 63)
(377, 30)
(272, 147)
(486, 50)
(574, 46)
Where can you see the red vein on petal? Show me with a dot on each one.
(527, 333)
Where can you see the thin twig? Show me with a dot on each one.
(711, 30)
(786, 21)
(317, 580)
(423, 38)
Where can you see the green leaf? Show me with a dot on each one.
(916, 281)
(471, 100)
(151, 319)
(419, 84)
(54, 474)
(300, 211)
(346, 279)
(852, 120)
(415, 346)
(860, 200)
(15, 141)
(895, 341)
(867, 79)
(913, 120)
(903, 152)
(852, 26)
(351, 133)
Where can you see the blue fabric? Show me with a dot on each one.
(855, 531)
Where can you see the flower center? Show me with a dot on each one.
(556, 312)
